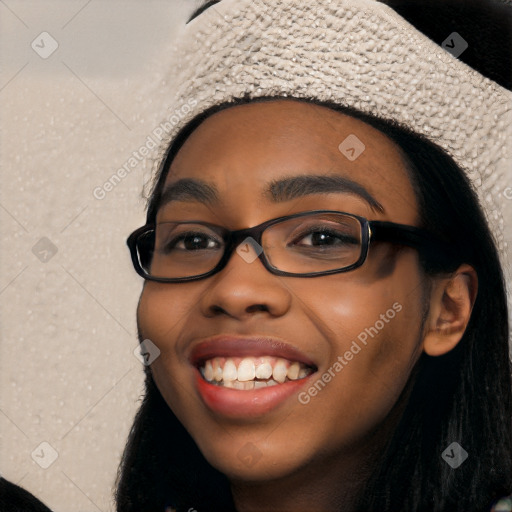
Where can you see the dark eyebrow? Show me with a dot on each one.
(277, 190)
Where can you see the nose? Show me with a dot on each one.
(244, 285)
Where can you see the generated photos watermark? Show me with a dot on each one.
(454, 455)
(304, 397)
(152, 141)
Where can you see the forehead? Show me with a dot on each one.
(241, 149)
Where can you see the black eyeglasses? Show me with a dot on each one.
(306, 244)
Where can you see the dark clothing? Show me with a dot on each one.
(15, 499)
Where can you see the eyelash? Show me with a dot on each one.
(310, 231)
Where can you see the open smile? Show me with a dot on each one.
(247, 377)
(252, 372)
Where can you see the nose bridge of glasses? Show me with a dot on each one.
(256, 233)
(252, 243)
(238, 237)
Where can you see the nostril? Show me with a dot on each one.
(257, 307)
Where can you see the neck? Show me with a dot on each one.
(322, 486)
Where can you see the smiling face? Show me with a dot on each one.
(360, 329)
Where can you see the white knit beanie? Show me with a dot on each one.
(358, 53)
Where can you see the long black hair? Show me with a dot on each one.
(464, 396)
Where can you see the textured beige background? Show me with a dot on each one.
(68, 375)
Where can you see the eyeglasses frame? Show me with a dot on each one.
(371, 231)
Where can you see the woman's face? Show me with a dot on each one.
(361, 329)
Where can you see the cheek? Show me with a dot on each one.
(161, 311)
(161, 314)
(385, 298)
(374, 342)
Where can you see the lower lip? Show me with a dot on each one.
(237, 403)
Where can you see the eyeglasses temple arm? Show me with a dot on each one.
(427, 244)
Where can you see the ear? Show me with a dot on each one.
(451, 302)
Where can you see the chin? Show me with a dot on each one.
(243, 460)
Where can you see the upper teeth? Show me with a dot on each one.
(235, 369)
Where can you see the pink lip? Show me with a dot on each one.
(239, 404)
(231, 346)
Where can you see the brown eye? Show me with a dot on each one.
(191, 241)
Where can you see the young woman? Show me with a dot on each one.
(327, 312)
(368, 366)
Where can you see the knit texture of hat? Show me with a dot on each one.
(358, 53)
